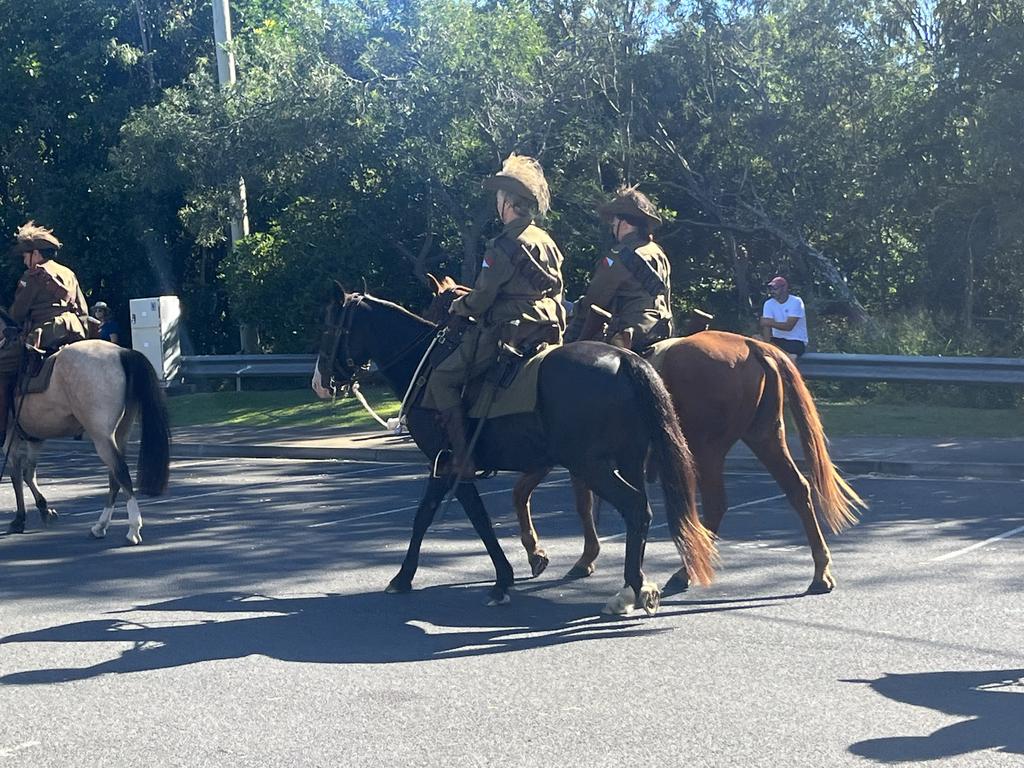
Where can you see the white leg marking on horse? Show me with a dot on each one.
(622, 603)
(134, 522)
(99, 530)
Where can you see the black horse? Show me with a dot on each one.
(600, 410)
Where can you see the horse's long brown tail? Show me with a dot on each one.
(144, 394)
(839, 504)
(676, 468)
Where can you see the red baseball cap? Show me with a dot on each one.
(778, 282)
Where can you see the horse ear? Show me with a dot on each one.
(337, 292)
(437, 286)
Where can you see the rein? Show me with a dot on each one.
(342, 330)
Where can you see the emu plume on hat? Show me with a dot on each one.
(32, 237)
(522, 175)
(629, 201)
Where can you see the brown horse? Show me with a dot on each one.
(725, 388)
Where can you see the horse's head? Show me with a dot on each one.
(445, 291)
(343, 349)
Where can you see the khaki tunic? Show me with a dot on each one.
(48, 298)
(519, 279)
(615, 289)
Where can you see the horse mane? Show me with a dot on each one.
(374, 300)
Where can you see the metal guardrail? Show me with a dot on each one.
(935, 370)
(239, 367)
(814, 365)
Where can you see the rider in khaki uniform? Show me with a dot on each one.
(520, 279)
(632, 283)
(48, 301)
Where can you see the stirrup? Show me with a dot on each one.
(444, 458)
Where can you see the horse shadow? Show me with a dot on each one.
(363, 628)
(992, 701)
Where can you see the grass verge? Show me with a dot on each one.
(919, 420)
(278, 408)
(301, 408)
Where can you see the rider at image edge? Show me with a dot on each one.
(48, 303)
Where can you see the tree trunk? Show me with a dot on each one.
(740, 270)
(471, 233)
(695, 187)
(968, 317)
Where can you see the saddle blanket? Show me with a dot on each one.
(41, 380)
(518, 397)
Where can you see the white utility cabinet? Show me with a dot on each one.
(156, 330)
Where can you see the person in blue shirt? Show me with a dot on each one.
(109, 328)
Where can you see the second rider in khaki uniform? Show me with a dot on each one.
(632, 283)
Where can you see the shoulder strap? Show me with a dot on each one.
(644, 272)
(539, 278)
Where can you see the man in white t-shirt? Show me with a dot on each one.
(783, 320)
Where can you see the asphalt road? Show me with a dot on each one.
(250, 629)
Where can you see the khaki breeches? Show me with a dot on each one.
(476, 353)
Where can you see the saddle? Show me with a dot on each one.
(36, 371)
(509, 386)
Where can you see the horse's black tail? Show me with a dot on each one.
(143, 393)
(676, 469)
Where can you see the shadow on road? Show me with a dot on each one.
(367, 628)
(992, 700)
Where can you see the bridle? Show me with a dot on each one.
(340, 345)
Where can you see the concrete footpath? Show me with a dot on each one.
(988, 458)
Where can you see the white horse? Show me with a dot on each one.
(99, 388)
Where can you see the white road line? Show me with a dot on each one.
(414, 506)
(758, 501)
(8, 751)
(915, 479)
(737, 506)
(978, 545)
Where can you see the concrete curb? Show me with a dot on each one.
(853, 466)
(237, 451)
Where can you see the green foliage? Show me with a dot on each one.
(869, 150)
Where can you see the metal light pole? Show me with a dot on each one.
(248, 335)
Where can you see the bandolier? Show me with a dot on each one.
(48, 305)
(632, 284)
(517, 297)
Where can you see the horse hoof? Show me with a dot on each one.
(16, 526)
(538, 563)
(821, 587)
(622, 603)
(680, 582)
(134, 538)
(398, 586)
(98, 533)
(48, 516)
(498, 596)
(649, 598)
(580, 571)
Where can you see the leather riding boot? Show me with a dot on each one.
(455, 425)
